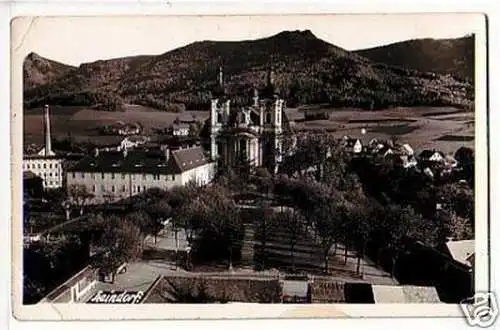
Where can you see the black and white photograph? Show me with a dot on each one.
(228, 160)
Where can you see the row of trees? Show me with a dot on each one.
(100, 100)
(376, 205)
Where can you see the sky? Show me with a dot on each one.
(76, 40)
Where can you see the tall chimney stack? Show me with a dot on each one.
(46, 127)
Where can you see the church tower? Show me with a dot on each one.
(219, 115)
(271, 113)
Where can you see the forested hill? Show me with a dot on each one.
(447, 56)
(39, 71)
(308, 70)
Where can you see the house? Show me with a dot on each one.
(76, 289)
(180, 129)
(450, 161)
(408, 161)
(130, 129)
(462, 251)
(111, 176)
(431, 155)
(358, 147)
(385, 151)
(406, 149)
(428, 172)
(373, 143)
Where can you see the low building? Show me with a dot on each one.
(77, 289)
(180, 129)
(461, 251)
(358, 147)
(432, 156)
(111, 176)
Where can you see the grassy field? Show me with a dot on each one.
(82, 123)
(445, 129)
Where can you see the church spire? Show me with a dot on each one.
(221, 77)
(270, 76)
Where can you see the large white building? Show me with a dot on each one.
(111, 176)
(45, 163)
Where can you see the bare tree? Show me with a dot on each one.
(79, 196)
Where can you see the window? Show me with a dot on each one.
(112, 188)
(50, 165)
(138, 188)
(123, 188)
(44, 165)
(83, 175)
(112, 176)
(93, 188)
(102, 176)
(143, 188)
(38, 165)
(73, 175)
(156, 177)
(28, 166)
(50, 174)
(219, 117)
(268, 118)
(173, 177)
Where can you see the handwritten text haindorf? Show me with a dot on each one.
(117, 297)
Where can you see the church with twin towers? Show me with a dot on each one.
(252, 132)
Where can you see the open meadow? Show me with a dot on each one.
(83, 123)
(445, 129)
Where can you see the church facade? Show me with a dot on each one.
(252, 133)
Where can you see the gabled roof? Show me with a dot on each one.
(426, 154)
(461, 250)
(135, 161)
(186, 159)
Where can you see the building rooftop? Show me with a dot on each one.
(142, 161)
(461, 251)
(28, 175)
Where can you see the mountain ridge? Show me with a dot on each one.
(453, 56)
(307, 69)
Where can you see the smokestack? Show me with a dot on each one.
(46, 127)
